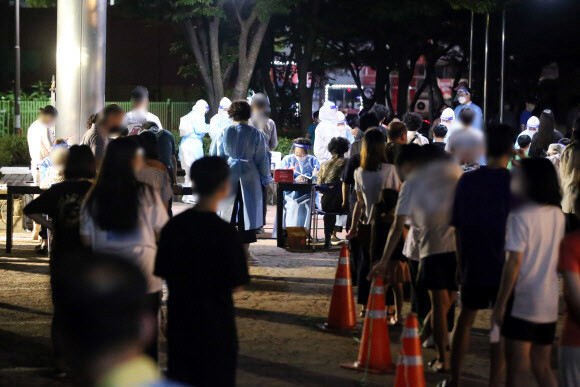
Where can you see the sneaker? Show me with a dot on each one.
(253, 261)
(260, 230)
(429, 343)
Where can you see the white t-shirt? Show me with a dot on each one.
(135, 119)
(427, 199)
(416, 138)
(40, 140)
(411, 246)
(372, 183)
(138, 245)
(536, 231)
(158, 179)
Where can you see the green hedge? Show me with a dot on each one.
(14, 151)
(284, 144)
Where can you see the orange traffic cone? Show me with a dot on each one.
(375, 352)
(342, 315)
(410, 368)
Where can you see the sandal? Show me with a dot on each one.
(433, 367)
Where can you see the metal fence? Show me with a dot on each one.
(169, 113)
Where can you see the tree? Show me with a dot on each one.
(225, 37)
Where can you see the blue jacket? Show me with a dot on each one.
(478, 121)
(245, 150)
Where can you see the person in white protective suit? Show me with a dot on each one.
(221, 120)
(448, 119)
(192, 128)
(343, 129)
(325, 131)
(531, 129)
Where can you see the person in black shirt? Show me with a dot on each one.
(546, 135)
(202, 258)
(439, 133)
(166, 147)
(480, 212)
(62, 203)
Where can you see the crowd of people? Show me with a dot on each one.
(470, 214)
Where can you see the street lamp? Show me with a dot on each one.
(17, 125)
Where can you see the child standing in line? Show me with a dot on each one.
(397, 271)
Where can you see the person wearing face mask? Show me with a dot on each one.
(98, 135)
(447, 118)
(139, 114)
(464, 99)
(221, 120)
(343, 129)
(305, 167)
(244, 148)
(525, 116)
(192, 128)
(260, 120)
(40, 139)
(325, 131)
(531, 128)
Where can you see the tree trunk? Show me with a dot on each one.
(201, 58)
(402, 90)
(430, 72)
(305, 96)
(216, 67)
(247, 57)
(405, 77)
(382, 74)
(388, 93)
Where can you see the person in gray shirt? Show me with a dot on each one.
(97, 137)
(367, 121)
(260, 120)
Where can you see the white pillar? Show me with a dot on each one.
(80, 64)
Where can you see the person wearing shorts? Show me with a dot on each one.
(426, 199)
(527, 303)
(480, 240)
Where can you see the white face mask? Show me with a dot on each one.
(462, 100)
(301, 158)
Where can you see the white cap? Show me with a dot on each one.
(201, 106)
(533, 122)
(340, 118)
(330, 104)
(448, 115)
(225, 103)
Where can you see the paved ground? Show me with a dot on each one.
(276, 316)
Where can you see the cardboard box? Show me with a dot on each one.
(296, 237)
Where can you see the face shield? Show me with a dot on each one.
(300, 151)
(462, 96)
